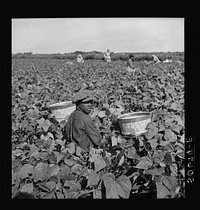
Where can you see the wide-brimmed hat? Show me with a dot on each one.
(84, 96)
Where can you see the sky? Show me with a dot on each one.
(64, 35)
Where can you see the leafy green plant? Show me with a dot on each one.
(150, 165)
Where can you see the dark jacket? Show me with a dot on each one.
(81, 129)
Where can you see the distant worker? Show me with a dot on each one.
(107, 56)
(155, 59)
(167, 61)
(80, 128)
(80, 58)
(131, 67)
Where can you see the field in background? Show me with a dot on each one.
(99, 56)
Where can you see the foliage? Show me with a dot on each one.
(95, 55)
(48, 167)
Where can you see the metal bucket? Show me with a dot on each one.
(134, 123)
(62, 110)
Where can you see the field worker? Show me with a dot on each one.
(130, 65)
(107, 56)
(167, 61)
(80, 128)
(80, 58)
(155, 59)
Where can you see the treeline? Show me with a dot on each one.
(95, 55)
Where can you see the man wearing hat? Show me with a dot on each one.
(80, 128)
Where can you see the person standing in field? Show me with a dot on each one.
(80, 58)
(155, 59)
(80, 128)
(130, 65)
(107, 56)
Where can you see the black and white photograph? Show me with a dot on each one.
(98, 108)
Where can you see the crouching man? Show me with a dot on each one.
(80, 128)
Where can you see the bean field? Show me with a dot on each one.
(150, 165)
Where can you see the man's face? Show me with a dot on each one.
(86, 106)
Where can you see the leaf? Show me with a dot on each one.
(40, 121)
(97, 194)
(112, 110)
(112, 188)
(25, 171)
(50, 135)
(53, 170)
(51, 185)
(65, 169)
(125, 184)
(164, 143)
(78, 151)
(27, 188)
(49, 195)
(24, 124)
(115, 188)
(144, 163)
(93, 178)
(153, 142)
(168, 158)
(99, 163)
(121, 160)
(174, 106)
(183, 138)
(17, 152)
(60, 142)
(158, 156)
(182, 172)
(59, 157)
(33, 113)
(119, 139)
(151, 132)
(40, 172)
(44, 155)
(102, 114)
(170, 182)
(74, 186)
(162, 191)
(71, 148)
(131, 153)
(168, 121)
(94, 114)
(170, 135)
(45, 124)
(76, 168)
(180, 153)
(69, 162)
(114, 141)
(175, 128)
(155, 171)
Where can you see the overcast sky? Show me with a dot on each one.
(62, 35)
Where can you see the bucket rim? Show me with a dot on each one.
(140, 115)
(61, 103)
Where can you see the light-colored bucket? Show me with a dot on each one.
(134, 123)
(62, 110)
